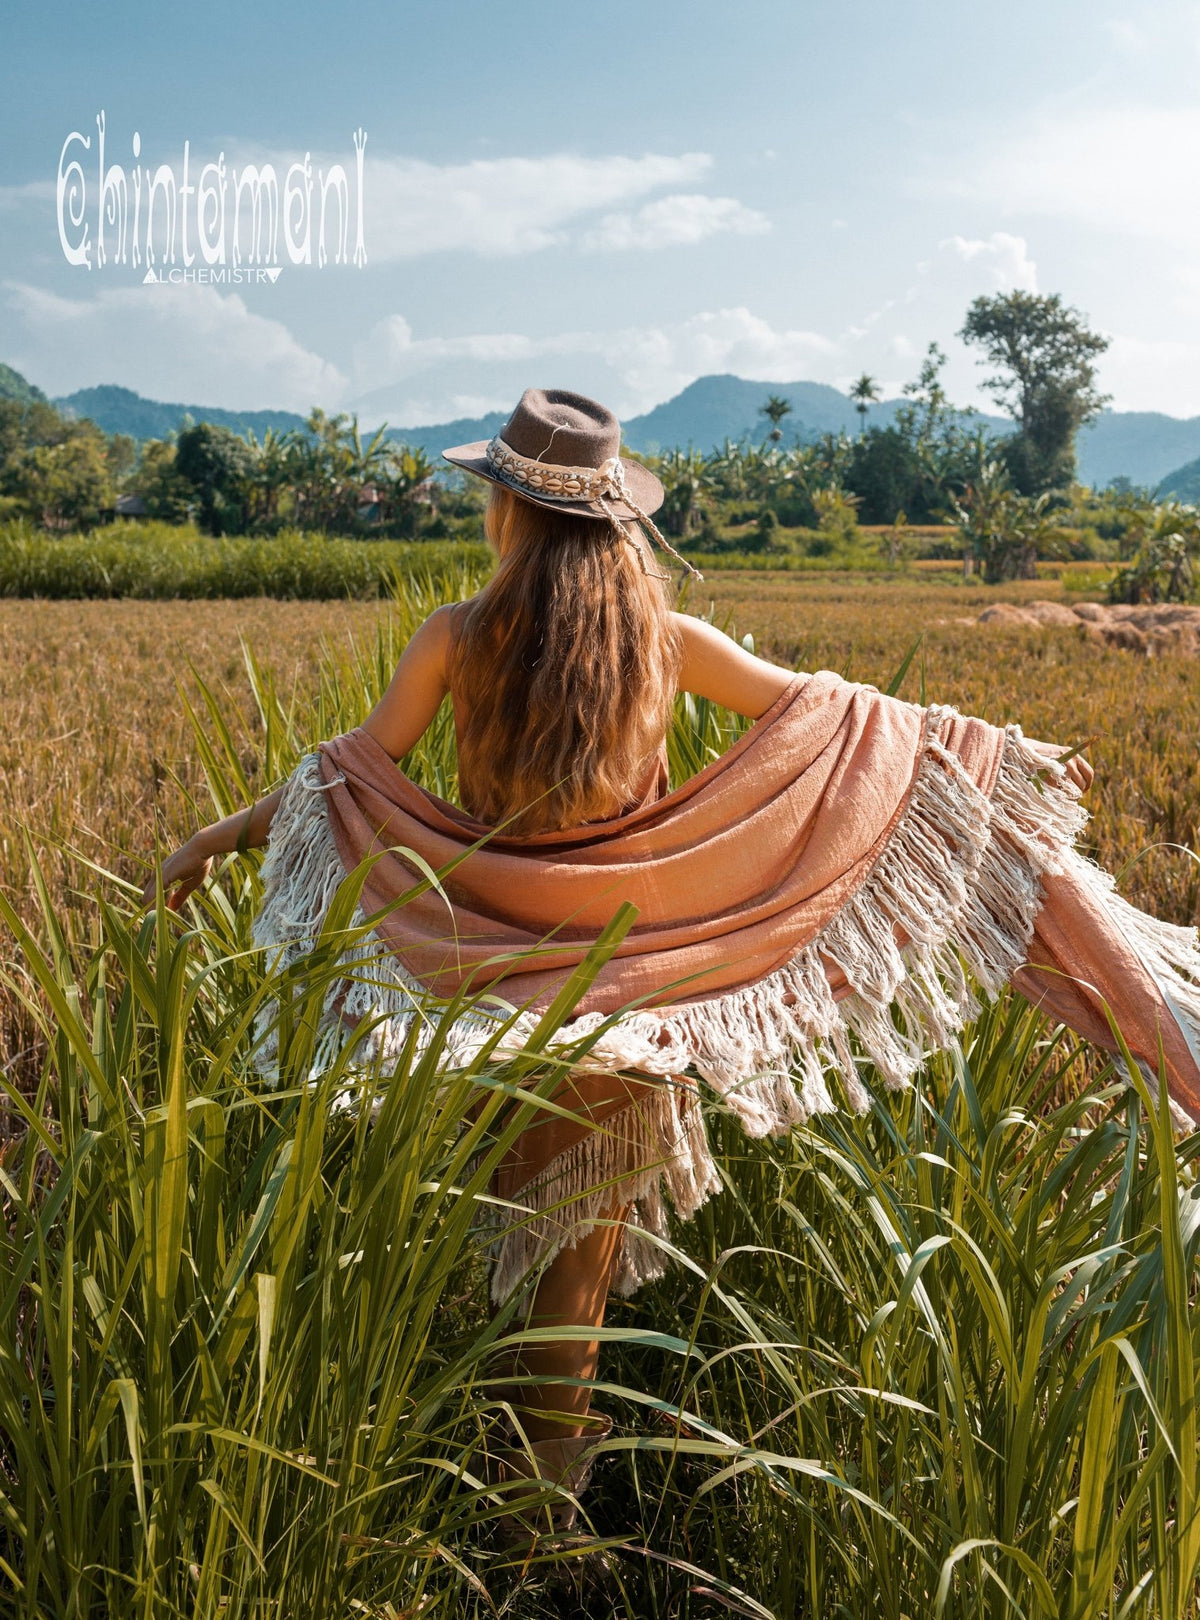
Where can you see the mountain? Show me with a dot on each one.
(1183, 484)
(703, 415)
(120, 410)
(1149, 448)
(1139, 445)
(14, 386)
(1143, 446)
(446, 435)
(716, 408)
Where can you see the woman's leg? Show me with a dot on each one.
(571, 1292)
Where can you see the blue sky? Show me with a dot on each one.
(617, 199)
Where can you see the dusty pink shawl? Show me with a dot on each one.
(828, 890)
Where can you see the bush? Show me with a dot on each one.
(797, 511)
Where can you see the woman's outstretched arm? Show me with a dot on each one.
(715, 667)
(397, 722)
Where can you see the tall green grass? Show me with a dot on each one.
(160, 561)
(938, 1360)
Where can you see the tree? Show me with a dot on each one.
(865, 393)
(886, 472)
(1044, 353)
(686, 480)
(1004, 533)
(408, 467)
(270, 475)
(219, 466)
(69, 482)
(929, 412)
(54, 470)
(1163, 566)
(121, 453)
(167, 494)
(986, 513)
(837, 517)
(775, 410)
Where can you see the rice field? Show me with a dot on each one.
(97, 749)
(938, 1360)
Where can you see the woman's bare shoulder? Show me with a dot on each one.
(715, 666)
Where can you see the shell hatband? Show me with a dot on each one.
(551, 482)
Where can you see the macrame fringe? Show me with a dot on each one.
(656, 1146)
(948, 906)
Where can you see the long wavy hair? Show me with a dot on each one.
(566, 665)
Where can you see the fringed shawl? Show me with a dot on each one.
(828, 894)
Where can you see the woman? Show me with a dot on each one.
(848, 869)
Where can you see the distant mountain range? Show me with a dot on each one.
(1149, 448)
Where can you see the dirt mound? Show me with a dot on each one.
(1151, 629)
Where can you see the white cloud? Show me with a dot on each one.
(674, 221)
(1123, 170)
(190, 344)
(390, 352)
(504, 205)
(1153, 375)
(658, 361)
(412, 380)
(1005, 259)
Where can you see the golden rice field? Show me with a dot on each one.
(96, 749)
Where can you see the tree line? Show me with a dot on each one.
(64, 473)
(1010, 498)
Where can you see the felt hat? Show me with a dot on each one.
(562, 450)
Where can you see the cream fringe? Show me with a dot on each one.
(959, 878)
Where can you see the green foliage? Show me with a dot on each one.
(686, 479)
(1005, 534)
(1046, 380)
(1165, 543)
(887, 474)
(237, 1374)
(837, 514)
(61, 473)
(54, 472)
(217, 464)
(324, 474)
(917, 465)
(896, 545)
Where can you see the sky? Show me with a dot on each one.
(614, 199)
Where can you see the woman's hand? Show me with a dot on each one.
(192, 863)
(183, 872)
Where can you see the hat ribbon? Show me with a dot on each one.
(557, 483)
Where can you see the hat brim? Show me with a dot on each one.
(645, 488)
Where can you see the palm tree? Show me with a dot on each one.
(272, 472)
(775, 410)
(686, 480)
(728, 468)
(408, 467)
(864, 393)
